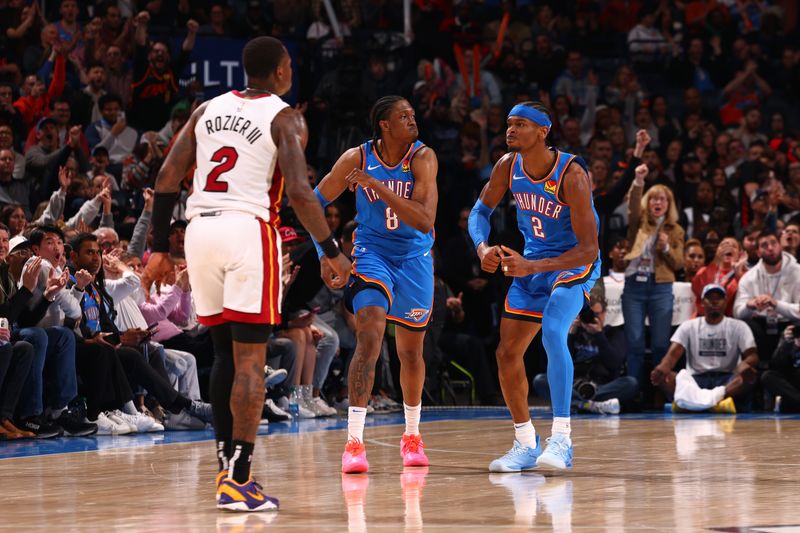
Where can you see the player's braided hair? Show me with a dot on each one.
(379, 112)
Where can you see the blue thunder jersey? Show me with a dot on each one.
(542, 216)
(379, 228)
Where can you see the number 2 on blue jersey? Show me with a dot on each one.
(536, 224)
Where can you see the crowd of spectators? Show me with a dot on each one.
(686, 113)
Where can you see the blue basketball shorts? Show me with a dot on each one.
(407, 285)
(528, 296)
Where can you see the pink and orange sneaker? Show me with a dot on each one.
(412, 450)
(354, 458)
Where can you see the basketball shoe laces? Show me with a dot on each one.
(517, 449)
(354, 447)
(413, 443)
(560, 445)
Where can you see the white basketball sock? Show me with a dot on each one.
(355, 423)
(561, 426)
(525, 434)
(412, 418)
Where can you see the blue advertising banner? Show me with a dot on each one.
(217, 64)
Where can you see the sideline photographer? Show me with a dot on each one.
(783, 377)
(598, 386)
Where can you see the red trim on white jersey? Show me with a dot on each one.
(256, 97)
(275, 195)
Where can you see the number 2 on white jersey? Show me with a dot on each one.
(536, 224)
(392, 222)
(226, 157)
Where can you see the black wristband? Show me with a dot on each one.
(330, 247)
(163, 204)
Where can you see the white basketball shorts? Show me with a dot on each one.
(234, 264)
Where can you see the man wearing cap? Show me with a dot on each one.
(721, 360)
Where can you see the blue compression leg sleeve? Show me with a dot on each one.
(564, 305)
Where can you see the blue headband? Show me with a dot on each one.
(531, 114)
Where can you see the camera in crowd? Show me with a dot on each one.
(585, 389)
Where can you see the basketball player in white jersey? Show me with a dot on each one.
(248, 145)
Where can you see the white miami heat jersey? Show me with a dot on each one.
(237, 160)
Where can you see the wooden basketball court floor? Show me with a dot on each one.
(648, 472)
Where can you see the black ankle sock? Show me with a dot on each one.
(241, 455)
(180, 404)
(223, 453)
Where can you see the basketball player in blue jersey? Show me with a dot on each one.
(552, 278)
(394, 179)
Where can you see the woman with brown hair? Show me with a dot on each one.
(655, 257)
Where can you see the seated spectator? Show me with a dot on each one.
(750, 129)
(694, 258)
(97, 327)
(725, 270)
(13, 217)
(61, 113)
(624, 90)
(750, 245)
(112, 131)
(768, 294)
(710, 240)
(697, 217)
(721, 360)
(104, 382)
(646, 43)
(34, 103)
(573, 82)
(87, 109)
(790, 239)
(140, 167)
(618, 262)
(99, 163)
(598, 386)
(53, 348)
(43, 159)
(11, 127)
(181, 366)
(655, 257)
(15, 364)
(47, 243)
(782, 380)
(170, 310)
(177, 236)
